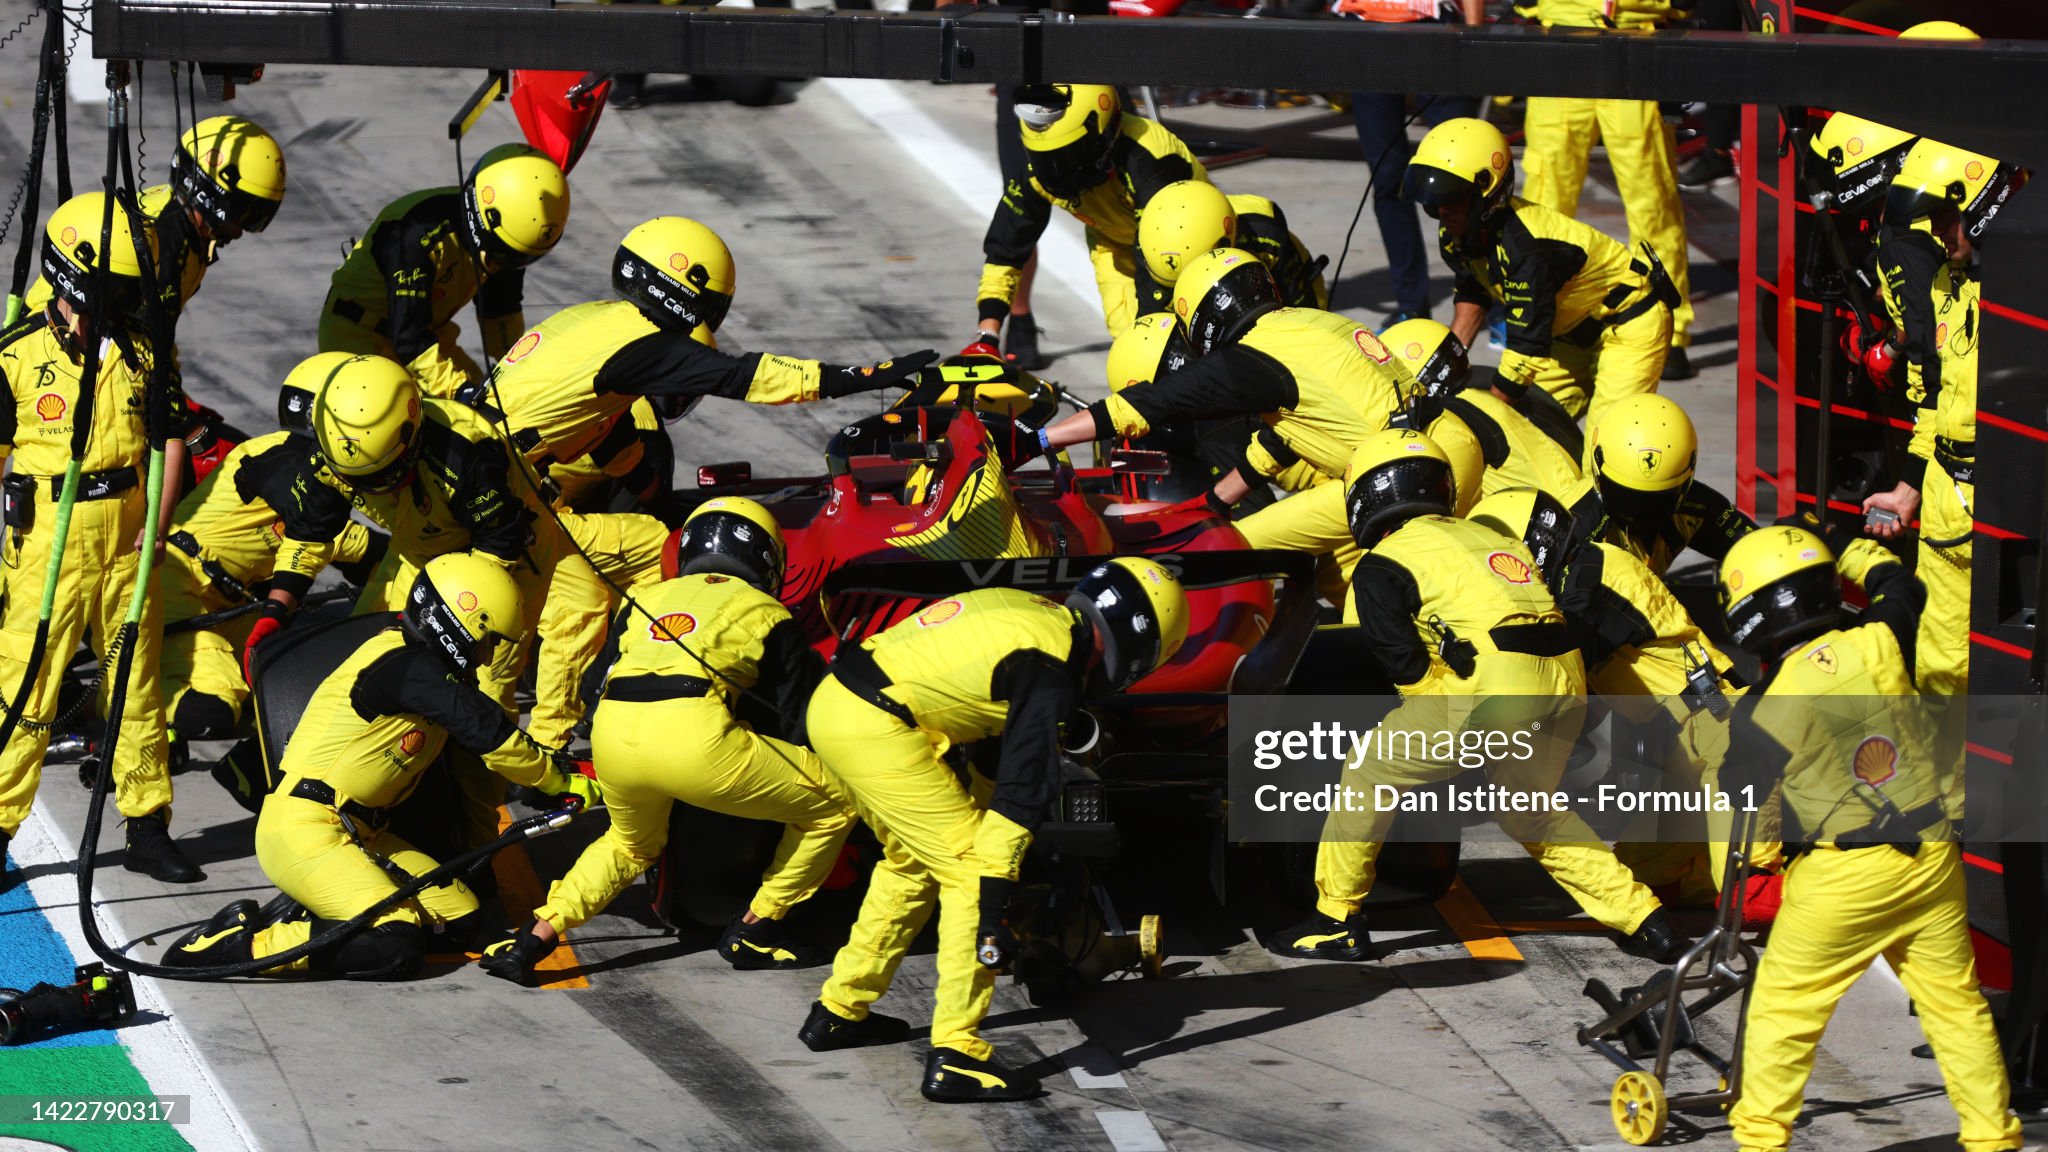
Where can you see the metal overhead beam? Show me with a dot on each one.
(1906, 83)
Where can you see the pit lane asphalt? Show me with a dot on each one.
(850, 247)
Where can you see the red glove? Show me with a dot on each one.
(1206, 502)
(270, 623)
(1872, 350)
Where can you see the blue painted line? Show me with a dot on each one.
(32, 951)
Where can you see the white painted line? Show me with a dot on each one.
(1131, 1132)
(1092, 1066)
(972, 174)
(161, 1049)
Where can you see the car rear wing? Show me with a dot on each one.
(1264, 671)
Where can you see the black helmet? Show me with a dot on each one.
(1395, 476)
(1220, 294)
(730, 536)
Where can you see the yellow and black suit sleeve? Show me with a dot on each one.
(1909, 263)
(670, 364)
(1492, 438)
(412, 681)
(1387, 600)
(1897, 599)
(1602, 621)
(1020, 219)
(1042, 691)
(403, 250)
(1236, 381)
(286, 477)
(1533, 270)
(1708, 523)
(479, 481)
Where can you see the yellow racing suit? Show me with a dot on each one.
(1933, 302)
(669, 728)
(1510, 451)
(402, 284)
(1321, 382)
(224, 543)
(1147, 158)
(1577, 302)
(1648, 661)
(100, 565)
(1559, 133)
(1459, 619)
(461, 495)
(1262, 231)
(1881, 874)
(368, 734)
(971, 667)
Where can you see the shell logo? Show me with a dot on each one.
(1876, 761)
(51, 406)
(1499, 161)
(672, 626)
(1509, 567)
(411, 743)
(1855, 145)
(1941, 334)
(1974, 170)
(1180, 305)
(1733, 578)
(906, 526)
(486, 194)
(678, 262)
(466, 600)
(941, 612)
(523, 348)
(1103, 101)
(1370, 345)
(716, 579)
(1413, 351)
(68, 237)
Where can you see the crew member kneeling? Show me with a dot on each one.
(366, 738)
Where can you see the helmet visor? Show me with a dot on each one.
(1070, 171)
(389, 478)
(1636, 507)
(1435, 189)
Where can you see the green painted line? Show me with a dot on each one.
(97, 1070)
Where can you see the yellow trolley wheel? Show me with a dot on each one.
(1152, 946)
(1638, 1108)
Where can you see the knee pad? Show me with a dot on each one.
(241, 773)
(202, 716)
(392, 950)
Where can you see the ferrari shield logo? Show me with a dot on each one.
(1649, 459)
(1823, 658)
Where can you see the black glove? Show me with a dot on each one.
(995, 944)
(513, 958)
(897, 372)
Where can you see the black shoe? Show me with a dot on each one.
(152, 852)
(1020, 343)
(828, 1031)
(1655, 940)
(1923, 1051)
(1678, 366)
(227, 938)
(1321, 938)
(765, 944)
(1705, 170)
(952, 1077)
(88, 772)
(1402, 315)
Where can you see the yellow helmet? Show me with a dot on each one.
(1863, 156)
(1938, 30)
(1644, 451)
(1462, 160)
(1395, 476)
(678, 271)
(1778, 588)
(71, 242)
(1150, 348)
(302, 385)
(1183, 220)
(1431, 353)
(1139, 610)
(1935, 178)
(1219, 294)
(462, 603)
(1069, 131)
(730, 536)
(516, 204)
(366, 418)
(231, 171)
(1537, 519)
